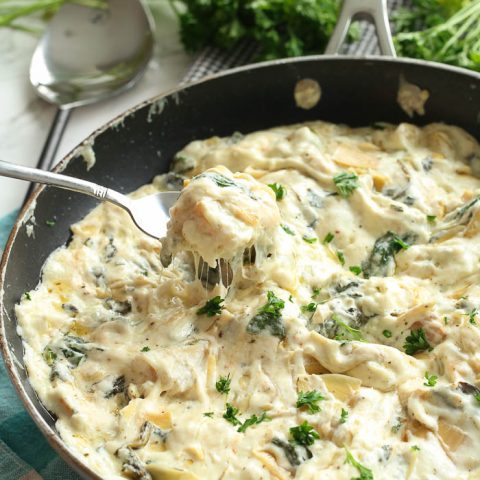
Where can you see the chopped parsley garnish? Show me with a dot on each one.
(279, 190)
(365, 473)
(344, 416)
(304, 435)
(396, 428)
(355, 269)
(430, 380)
(341, 257)
(212, 307)
(346, 333)
(223, 385)
(431, 218)
(287, 229)
(472, 315)
(416, 342)
(387, 333)
(50, 223)
(27, 295)
(400, 243)
(145, 349)
(328, 238)
(253, 420)
(310, 399)
(290, 298)
(269, 317)
(309, 239)
(477, 397)
(415, 448)
(315, 292)
(311, 307)
(230, 414)
(346, 183)
(208, 414)
(445, 320)
(49, 356)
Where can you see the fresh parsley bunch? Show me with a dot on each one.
(282, 28)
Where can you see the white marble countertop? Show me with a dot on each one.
(25, 119)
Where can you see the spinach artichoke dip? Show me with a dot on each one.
(313, 313)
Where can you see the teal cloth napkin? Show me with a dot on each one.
(24, 453)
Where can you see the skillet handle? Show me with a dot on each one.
(375, 10)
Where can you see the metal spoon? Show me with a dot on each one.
(87, 55)
(150, 214)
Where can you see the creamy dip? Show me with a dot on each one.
(349, 351)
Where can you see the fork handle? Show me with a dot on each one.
(64, 181)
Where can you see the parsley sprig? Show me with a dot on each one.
(310, 400)
(416, 342)
(212, 307)
(365, 473)
(223, 385)
(279, 190)
(346, 183)
(269, 317)
(304, 434)
(430, 380)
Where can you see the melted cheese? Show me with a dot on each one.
(116, 348)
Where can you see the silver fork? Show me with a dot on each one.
(150, 214)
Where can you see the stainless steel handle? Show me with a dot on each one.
(375, 10)
(63, 181)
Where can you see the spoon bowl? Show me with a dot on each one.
(89, 54)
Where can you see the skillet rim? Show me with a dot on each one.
(51, 435)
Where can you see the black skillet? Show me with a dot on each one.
(135, 147)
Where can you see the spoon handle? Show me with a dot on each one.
(52, 142)
(63, 181)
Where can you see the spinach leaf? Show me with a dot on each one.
(382, 258)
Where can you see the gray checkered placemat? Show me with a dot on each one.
(212, 60)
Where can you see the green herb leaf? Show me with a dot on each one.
(208, 414)
(49, 356)
(279, 190)
(253, 420)
(431, 218)
(287, 229)
(223, 385)
(344, 416)
(145, 349)
(341, 257)
(346, 183)
(27, 295)
(310, 399)
(365, 473)
(355, 269)
(309, 239)
(304, 435)
(311, 307)
(416, 342)
(50, 223)
(315, 292)
(230, 414)
(415, 448)
(346, 333)
(212, 307)
(387, 333)
(430, 380)
(269, 317)
(328, 238)
(472, 315)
